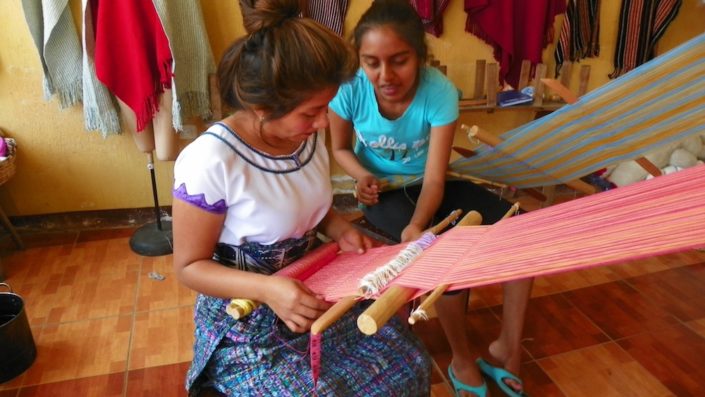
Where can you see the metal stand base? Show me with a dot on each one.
(153, 239)
(149, 240)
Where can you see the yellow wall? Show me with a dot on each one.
(63, 168)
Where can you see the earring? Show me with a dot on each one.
(261, 123)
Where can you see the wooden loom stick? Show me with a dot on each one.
(343, 305)
(333, 314)
(375, 316)
(238, 308)
(468, 220)
(494, 141)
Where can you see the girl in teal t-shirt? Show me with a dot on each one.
(402, 116)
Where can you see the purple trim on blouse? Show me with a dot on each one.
(199, 200)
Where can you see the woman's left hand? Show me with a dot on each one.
(352, 240)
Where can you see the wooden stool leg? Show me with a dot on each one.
(15, 237)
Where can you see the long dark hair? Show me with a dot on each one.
(283, 60)
(398, 15)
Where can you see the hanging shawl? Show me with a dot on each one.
(641, 25)
(431, 13)
(132, 56)
(193, 60)
(99, 107)
(580, 33)
(516, 30)
(54, 34)
(329, 13)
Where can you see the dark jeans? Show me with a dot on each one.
(396, 207)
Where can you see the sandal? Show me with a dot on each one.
(458, 386)
(500, 375)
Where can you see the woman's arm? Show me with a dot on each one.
(341, 131)
(196, 233)
(433, 183)
(344, 233)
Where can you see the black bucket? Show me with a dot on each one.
(17, 347)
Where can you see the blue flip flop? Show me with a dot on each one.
(458, 386)
(499, 375)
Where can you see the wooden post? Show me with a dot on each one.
(539, 74)
(492, 79)
(479, 79)
(524, 74)
(584, 80)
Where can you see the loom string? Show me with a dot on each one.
(563, 233)
(543, 224)
(642, 249)
(676, 204)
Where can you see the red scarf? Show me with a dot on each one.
(132, 55)
(516, 30)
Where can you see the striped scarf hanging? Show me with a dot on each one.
(193, 60)
(641, 25)
(100, 112)
(580, 33)
(431, 14)
(329, 13)
(54, 34)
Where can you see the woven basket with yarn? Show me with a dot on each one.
(7, 163)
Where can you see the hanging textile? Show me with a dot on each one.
(431, 13)
(192, 58)
(516, 30)
(132, 55)
(54, 34)
(329, 13)
(580, 33)
(641, 25)
(99, 108)
(658, 103)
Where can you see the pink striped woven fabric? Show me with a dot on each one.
(649, 218)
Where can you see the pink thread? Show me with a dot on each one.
(653, 217)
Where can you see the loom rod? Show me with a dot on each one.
(343, 305)
(468, 220)
(375, 316)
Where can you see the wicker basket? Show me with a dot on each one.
(7, 166)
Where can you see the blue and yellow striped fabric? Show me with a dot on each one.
(659, 102)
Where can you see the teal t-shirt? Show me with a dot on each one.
(396, 147)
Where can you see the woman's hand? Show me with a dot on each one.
(411, 232)
(294, 303)
(367, 190)
(352, 240)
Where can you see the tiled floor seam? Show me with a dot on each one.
(132, 330)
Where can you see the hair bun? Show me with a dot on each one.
(261, 14)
